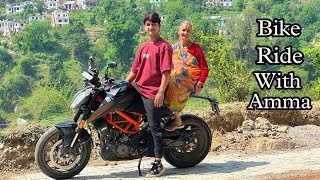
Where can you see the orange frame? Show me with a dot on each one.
(127, 119)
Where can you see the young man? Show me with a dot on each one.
(151, 72)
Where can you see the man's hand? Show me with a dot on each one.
(158, 101)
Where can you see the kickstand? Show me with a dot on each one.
(139, 166)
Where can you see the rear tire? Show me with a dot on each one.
(55, 165)
(199, 143)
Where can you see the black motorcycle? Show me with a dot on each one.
(114, 109)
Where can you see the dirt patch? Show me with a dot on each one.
(234, 129)
(17, 149)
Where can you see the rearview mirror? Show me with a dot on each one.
(112, 64)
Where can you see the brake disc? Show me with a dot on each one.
(62, 161)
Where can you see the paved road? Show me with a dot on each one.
(224, 166)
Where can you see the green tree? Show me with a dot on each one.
(41, 7)
(5, 61)
(229, 75)
(174, 12)
(35, 37)
(13, 86)
(308, 15)
(123, 25)
(27, 64)
(78, 41)
(51, 100)
(206, 27)
(243, 30)
(56, 72)
(239, 4)
(314, 55)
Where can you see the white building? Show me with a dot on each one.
(80, 4)
(60, 17)
(16, 7)
(157, 2)
(53, 4)
(8, 27)
(89, 4)
(225, 3)
(36, 18)
(70, 5)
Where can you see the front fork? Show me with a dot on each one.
(85, 115)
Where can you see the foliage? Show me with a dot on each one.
(40, 7)
(27, 64)
(79, 41)
(119, 31)
(5, 61)
(44, 102)
(14, 86)
(229, 75)
(35, 37)
(243, 28)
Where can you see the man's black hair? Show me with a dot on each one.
(153, 17)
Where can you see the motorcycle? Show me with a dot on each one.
(114, 109)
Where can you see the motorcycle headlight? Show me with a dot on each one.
(80, 98)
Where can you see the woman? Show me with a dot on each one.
(189, 74)
(151, 73)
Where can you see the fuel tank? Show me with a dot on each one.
(130, 101)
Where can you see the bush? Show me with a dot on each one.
(43, 103)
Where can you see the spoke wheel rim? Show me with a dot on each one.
(54, 158)
(194, 145)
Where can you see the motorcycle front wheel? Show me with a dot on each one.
(54, 163)
(197, 144)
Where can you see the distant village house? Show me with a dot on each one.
(80, 4)
(60, 17)
(224, 3)
(53, 4)
(9, 27)
(16, 7)
(36, 18)
(89, 4)
(221, 23)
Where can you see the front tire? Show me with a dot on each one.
(198, 144)
(50, 160)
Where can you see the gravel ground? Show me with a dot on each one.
(294, 164)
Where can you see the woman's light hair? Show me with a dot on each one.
(185, 22)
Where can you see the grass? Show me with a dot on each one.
(197, 104)
(51, 120)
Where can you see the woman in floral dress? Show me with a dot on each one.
(189, 74)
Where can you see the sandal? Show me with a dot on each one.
(173, 127)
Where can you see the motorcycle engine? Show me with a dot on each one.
(118, 143)
(122, 148)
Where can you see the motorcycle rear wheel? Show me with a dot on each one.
(197, 147)
(50, 160)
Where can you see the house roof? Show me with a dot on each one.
(69, 2)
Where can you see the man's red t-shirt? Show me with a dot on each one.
(152, 59)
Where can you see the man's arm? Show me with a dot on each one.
(131, 77)
(158, 101)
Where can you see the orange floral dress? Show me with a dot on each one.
(184, 77)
